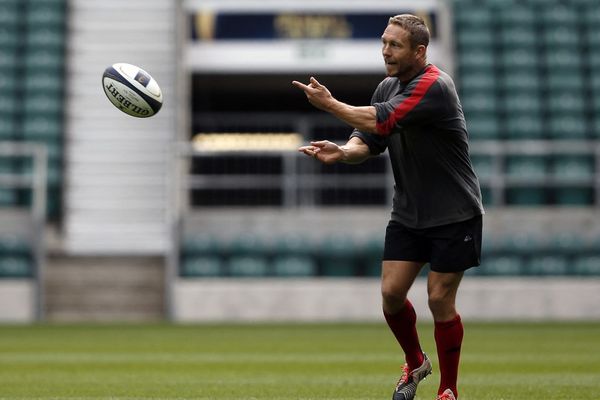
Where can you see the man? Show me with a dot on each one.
(437, 212)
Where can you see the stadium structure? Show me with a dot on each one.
(206, 211)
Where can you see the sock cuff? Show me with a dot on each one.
(448, 324)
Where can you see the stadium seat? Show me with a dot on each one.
(483, 165)
(587, 265)
(501, 265)
(568, 166)
(516, 15)
(8, 127)
(558, 82)
(519, 58)
(566, 103)
(563, 59)
(470, 37)
(521, 81)
(200, 245)
(567, 126)
(470, 60)
(524, 126)
(16, 267)
(475, 81)
(479, 102)
(560, 37)
(201, 266)
(470, 15)
(294, 266)
(248, 266)
(526, 196)
(526, 166)
(483, 126)
(559, 15)
(554, 265)
(574, 196)
(518, 36)
(522, 102)
(337, 257)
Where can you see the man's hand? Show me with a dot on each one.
(324, 151)
(317, 94)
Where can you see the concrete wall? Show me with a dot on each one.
(201, 300)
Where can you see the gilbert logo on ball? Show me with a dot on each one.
(132, 90)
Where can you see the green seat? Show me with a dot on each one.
(44, 59)
(293, 245)
(524, 126)
(592, 38)
(8, 127)
(566, 103)
(16, 267)
(526, 196)
(484, 166)
(568, 242)
(47, 83)
(587, 265)
(477, 59)
(547, 265)
(338, 257)
(10, 15)
(42, 127)
(469, 37)
(200, 245)
(516, 15)
(483, 126)
(559, 15)
(248, 266)
(515, 80)
(45, 37)
(519, 58)
(9, 105)
(563, 59)
(522, 102)
(201, 266)
(567, 126)
(523, 37)
(43, 103)
(562, 81)
(373, 256)
(477, 81)
(294, 266)
(8, 197)
(472, 15)
(48, 14)
(479, 102)
(569, 166)
(574, 196)
(249, 245)
(501, 265)
(526, 166)
(561, 37)
(10, 38)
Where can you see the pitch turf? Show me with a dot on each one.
(291, 361)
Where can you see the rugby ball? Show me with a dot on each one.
(132, 90)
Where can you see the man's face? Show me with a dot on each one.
(398, 55)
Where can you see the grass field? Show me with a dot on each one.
(287, 361)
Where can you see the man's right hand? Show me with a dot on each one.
(325, 151)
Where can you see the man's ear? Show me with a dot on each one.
(421, 51)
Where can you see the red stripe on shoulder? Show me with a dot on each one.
(428, 78)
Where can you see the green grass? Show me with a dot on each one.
(288, 361)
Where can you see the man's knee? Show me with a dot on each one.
(392, 300)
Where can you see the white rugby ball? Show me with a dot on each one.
(132, 90)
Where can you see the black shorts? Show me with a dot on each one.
(448, 248)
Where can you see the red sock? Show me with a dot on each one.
(404, 326)
(448, 338)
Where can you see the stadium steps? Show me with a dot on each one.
(117, 166)
(104, 289)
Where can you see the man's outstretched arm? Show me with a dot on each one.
(362, 118)
(354, 151)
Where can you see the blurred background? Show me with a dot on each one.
(206, 212)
